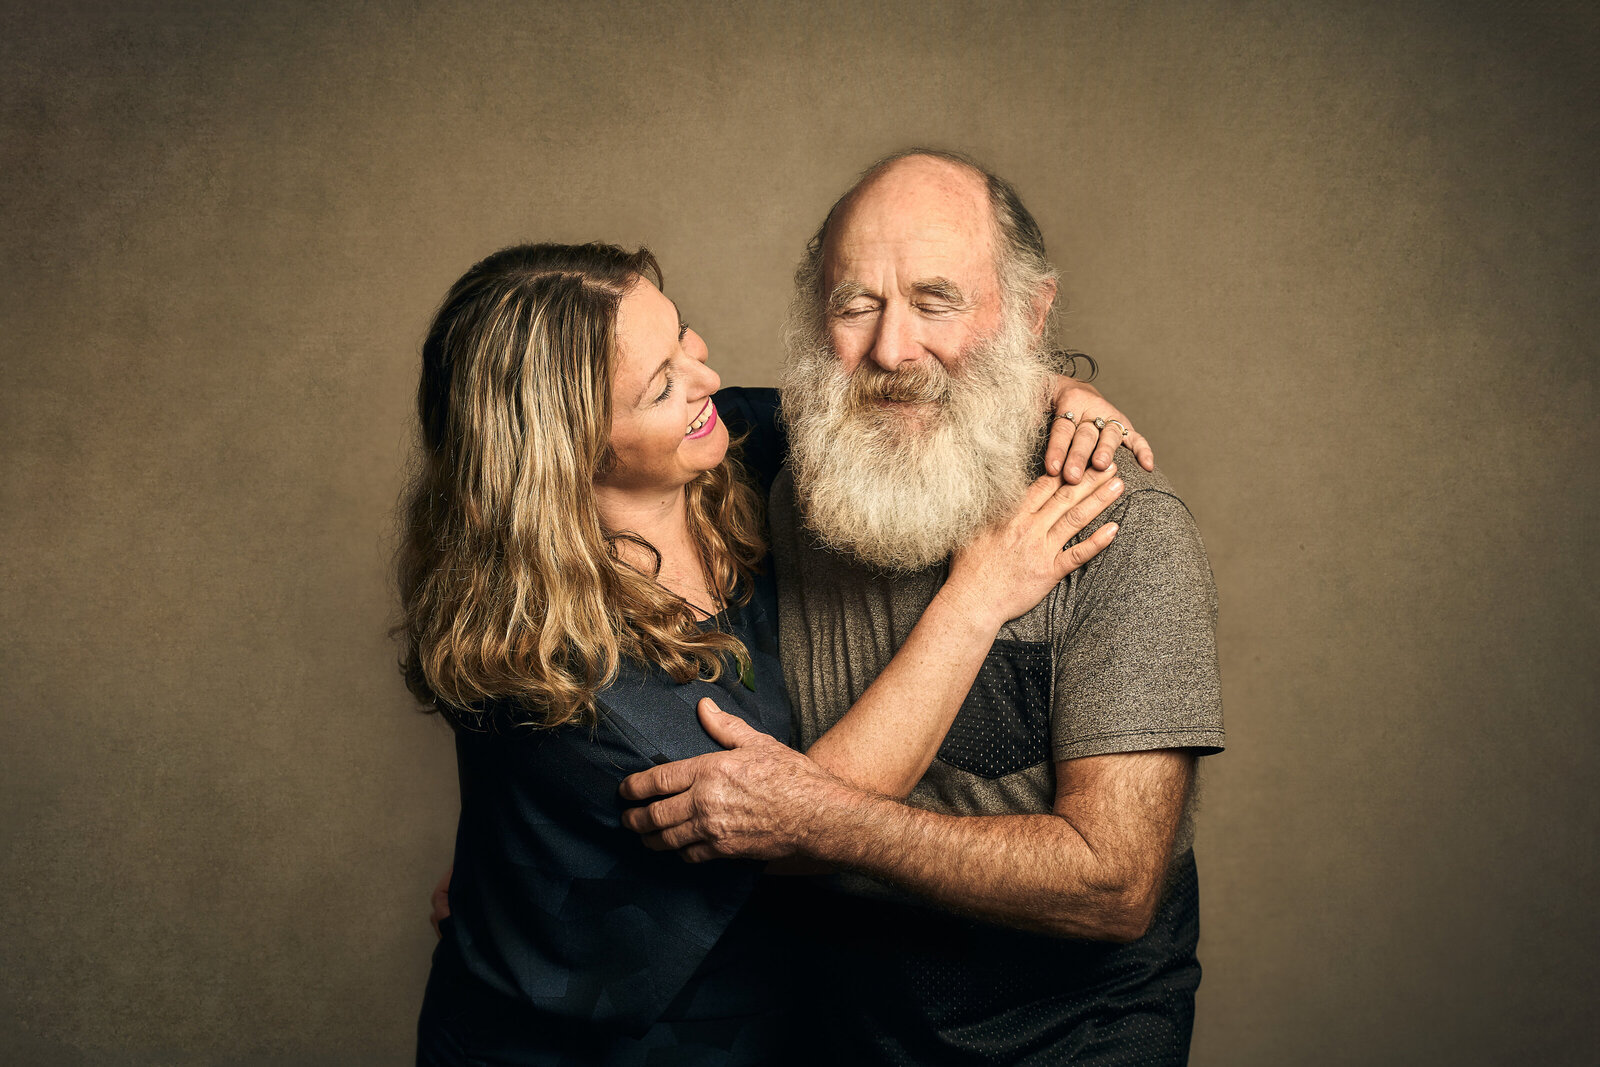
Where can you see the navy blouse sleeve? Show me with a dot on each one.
(554, 903)
(755, 412)
(557, 905)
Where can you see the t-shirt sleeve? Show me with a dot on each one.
(1136, 658)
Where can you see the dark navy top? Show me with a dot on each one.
(568, 940)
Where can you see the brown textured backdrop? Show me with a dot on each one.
(1338, 260)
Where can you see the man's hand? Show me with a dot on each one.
(441, 901)
(1078, 441)
(754, 800)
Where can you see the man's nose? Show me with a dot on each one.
(895, 341)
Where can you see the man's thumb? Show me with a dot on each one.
(729, 731)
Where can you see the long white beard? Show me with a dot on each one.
(893, 492)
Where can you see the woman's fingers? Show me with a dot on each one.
(1065, 495)
(441, 901)
(1106, 447)
(1061, 431)
(1068, 399)
(1141, 450)
(1037, 494)
(1083, 441)
(1075, 556)
(1082, 512)
(1095, 446)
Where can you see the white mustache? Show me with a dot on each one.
(922, 381)
(904, 496)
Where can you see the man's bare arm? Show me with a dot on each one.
(1091, 869)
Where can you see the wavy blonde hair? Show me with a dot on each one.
(513, 596)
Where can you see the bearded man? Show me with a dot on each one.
(1051, 835)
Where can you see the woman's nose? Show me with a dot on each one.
(696, 346)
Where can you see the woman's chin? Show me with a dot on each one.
(704, 453)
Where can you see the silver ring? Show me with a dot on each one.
(1119, 422)
(1070, 417)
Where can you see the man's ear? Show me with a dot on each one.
(1043, 301)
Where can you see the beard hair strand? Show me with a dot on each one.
(899, 497)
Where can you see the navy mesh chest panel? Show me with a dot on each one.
(1004, 724)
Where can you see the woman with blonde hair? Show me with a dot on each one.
(583, 561)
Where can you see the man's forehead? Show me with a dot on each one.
(934, 252)
(927, 223)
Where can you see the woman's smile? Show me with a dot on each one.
(704, 422)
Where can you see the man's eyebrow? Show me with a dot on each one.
(940, 289)
(845, 292)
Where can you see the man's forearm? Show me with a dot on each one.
(886, 741)
(1036, 872)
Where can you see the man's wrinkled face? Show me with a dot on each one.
(909, 285)
(914, 394)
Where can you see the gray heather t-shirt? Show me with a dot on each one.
(1119, 657)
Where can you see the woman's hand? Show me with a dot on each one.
(1011, 566)
(1077, 440)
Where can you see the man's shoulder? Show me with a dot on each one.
(783, 516)
(1149, 506)
(783, 485)
(1139, 480)
(1157, 549)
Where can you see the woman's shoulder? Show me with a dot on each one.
(754, 414)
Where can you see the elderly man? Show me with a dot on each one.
(1051, 830)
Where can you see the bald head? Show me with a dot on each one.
(915, 385)
(924, 201)
(912, 205)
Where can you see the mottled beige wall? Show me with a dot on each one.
(1338, 260)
